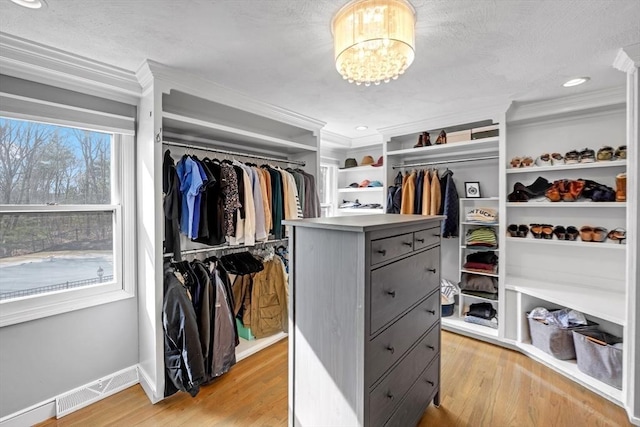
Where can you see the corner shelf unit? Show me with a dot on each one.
(364, 195)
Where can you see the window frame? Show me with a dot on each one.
(330, 187)
(24, 309)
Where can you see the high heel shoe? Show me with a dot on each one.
(442, 138)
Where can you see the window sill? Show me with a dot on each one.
(27, 309)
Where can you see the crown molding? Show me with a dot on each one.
(628, 58)
(334, 140)
(43, 64)
(366, 141)
(567, 105)
(451, 118)
(173, 79)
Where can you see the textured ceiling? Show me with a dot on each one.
(469, 53)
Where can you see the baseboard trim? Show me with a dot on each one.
(32, 415)
(148, 386)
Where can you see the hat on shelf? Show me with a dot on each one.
(378, 163)
(350, 163)
(375, 184)
(364, 183)
(367, 160)
(354, 185)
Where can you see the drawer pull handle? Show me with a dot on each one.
(420, 240)
(407, 243)
(390, 396)
(436, 235)
(430, 347)
(392, 293)
(431, 311)
(382, 252)
(391, 349)
(433, 270)
(430, 383)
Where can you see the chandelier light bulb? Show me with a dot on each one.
(374, 40)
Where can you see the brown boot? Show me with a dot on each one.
(621, 187)
(426, 138)
(420, 142)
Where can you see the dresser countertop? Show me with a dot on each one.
(362, 223)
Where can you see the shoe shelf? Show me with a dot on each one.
(362, 210)
(477, 146)
(592, 165)
(604, 304)
(578, 243)
(479, 273)
(570, 369)
(545, 204)
(360, 190)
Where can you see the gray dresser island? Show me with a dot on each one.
(364, 320)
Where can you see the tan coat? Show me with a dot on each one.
(269, 300)
(408, 194)
(435, 194)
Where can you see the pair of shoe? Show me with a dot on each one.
(570, 233)
(565, 189)
(518, 230)
(547, 159)
(593, 234)
(522, 193)
(521, 162)
(542, 231)
(585, 156)
(618, 234)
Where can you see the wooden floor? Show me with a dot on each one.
(482, 385)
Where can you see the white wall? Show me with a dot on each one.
(46, 357)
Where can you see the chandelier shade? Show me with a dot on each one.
(374, 40)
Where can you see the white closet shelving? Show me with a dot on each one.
(582, 275)
(190, 110)
(363, 195)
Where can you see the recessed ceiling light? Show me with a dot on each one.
(575, 82)
(30, 4)
(362, 127)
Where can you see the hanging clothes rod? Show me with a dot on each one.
(442, 162)
(234, 153)
(226, 248)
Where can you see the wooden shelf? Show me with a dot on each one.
(361, 190)
(601, 164)
(582, 205)
(604, 304)
(478, 146)
(575, 243)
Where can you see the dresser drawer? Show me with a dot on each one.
(390, 345)
(389, 393)
(391, 247)
(417, 399)
(397, 286)
(424, 238)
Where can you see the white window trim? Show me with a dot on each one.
(123, 287)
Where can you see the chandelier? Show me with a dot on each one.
(374, 40)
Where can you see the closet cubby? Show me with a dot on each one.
(181, 108)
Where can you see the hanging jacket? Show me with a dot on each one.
(417, 204)
(171, 206)
(450, 206)
(408, 194)
(183, 360)
(224, 347)
(426, 194)
(269, 300)
(435, 194)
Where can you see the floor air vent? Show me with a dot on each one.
(87, 394)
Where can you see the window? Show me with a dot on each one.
(61, 218)
(327, 189)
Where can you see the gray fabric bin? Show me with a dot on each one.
(554, 340)
(603, 362)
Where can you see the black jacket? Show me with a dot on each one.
(184, 364)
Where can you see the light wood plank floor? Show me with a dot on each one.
(482, 385)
